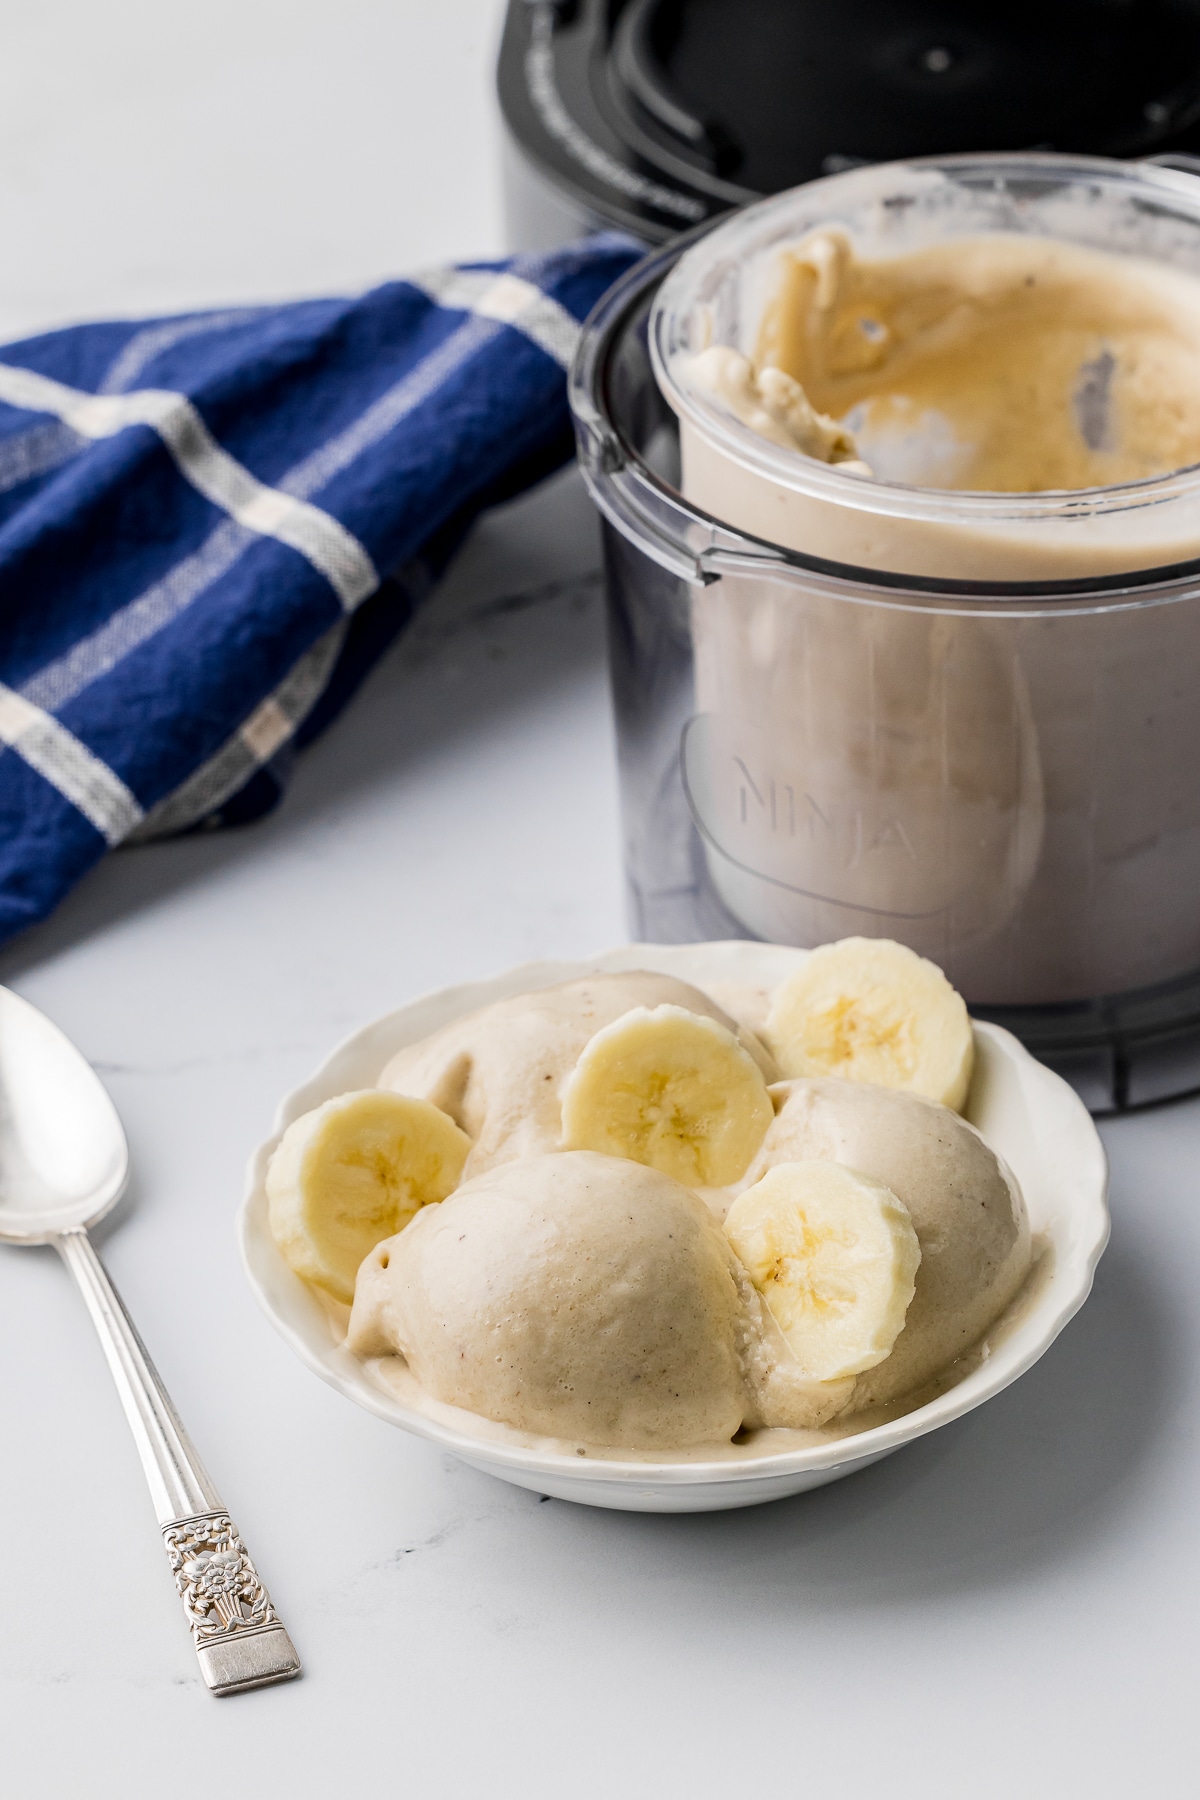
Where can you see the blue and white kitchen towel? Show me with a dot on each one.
(211, 526)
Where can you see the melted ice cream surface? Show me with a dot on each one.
(998, 363)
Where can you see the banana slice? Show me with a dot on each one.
(353, 1172)
(834, 1255)
(868, 1009)
(668, 1088)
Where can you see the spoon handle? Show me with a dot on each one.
(237, 1633)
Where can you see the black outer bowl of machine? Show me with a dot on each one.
(1119, 1050)
(654, 115)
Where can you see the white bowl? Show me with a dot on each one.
(1025, 1112)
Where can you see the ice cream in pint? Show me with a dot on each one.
(986, 776)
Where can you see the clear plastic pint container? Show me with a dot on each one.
(968, 721)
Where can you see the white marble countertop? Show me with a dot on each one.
(1006, 1607)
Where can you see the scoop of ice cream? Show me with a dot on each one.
(575, 1296)
(499, 1072)
(965, 1206)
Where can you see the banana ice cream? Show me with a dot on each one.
(498, 1073)
(1001, 364)
(965, 1206)
(658, 1248)
(585, 1297)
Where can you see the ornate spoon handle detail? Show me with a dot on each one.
(236, 1630)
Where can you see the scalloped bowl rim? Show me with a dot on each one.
(1026, 1111)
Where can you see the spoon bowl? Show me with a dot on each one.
(1024, 1111)
(64, 1161)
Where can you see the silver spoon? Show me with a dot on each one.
(64, 1163)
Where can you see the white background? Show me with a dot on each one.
(159, 154)
(1007, 1608)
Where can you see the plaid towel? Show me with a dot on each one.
(211, 526)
